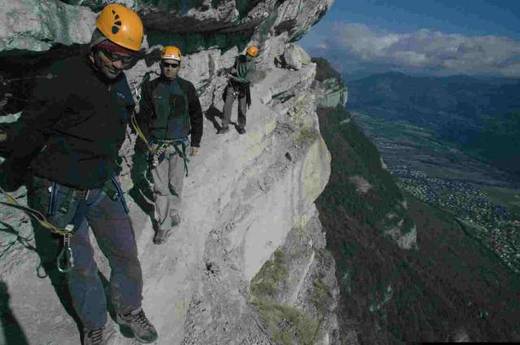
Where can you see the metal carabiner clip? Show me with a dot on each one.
(65, 260)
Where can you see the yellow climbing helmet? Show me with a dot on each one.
(252, 51)
(171, 52)
(122, 26)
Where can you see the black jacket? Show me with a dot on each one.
(147, 111)
(73, 127)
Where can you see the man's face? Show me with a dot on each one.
(170, 68)
(111, 64)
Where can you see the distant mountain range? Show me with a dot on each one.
(482, 116)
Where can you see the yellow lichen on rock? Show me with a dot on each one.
(316, 170)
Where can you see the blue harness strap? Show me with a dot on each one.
(120, 193)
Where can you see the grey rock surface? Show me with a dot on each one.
(246, 198)
(261, 16)
(36, 25)
(330, 93)
(295, 57)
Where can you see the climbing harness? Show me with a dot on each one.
(179, 145)
(37, 215)
(65, 261)
(157, 153)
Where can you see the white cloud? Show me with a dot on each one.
(428, 50)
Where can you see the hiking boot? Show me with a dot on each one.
(143, 330)
(223, 130)
(241, 130)
(162, 235)
(94, 337)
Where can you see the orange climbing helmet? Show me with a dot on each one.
(171, 53)
(252, 51)
(121, 26)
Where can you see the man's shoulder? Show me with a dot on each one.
(59, 77)
(242, 58)
(150, 82)
(185, 83)
(63, 75)
(70, 67)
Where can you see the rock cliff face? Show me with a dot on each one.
(248, 265)
(407, 272)
(329, 87)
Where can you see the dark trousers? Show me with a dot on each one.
(231, 95)
(115, 236)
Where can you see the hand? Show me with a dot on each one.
(194, 151)
(3, 136)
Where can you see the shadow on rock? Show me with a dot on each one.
(141, 191)
(211, 114)
(13, 332)
(48, 246)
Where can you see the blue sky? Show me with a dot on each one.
(439, 37)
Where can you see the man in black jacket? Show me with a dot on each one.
(169, 111)
(69, 136)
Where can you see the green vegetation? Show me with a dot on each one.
(493, 220)
(321, 296)
(306, 135)
(454, 278)
(510, 198)
(438, 174)
(354, 155)
(265, 283)
(480, 117)
(499, 140)
(286, 323)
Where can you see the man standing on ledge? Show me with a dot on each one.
(239, 86)
(70, 136)
(169, 112)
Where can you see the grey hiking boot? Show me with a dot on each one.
(94, 337)
(143, 330)
(162, 235)
(223, 130)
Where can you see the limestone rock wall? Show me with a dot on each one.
(248, 201)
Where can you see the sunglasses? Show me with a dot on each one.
(125, 59)
(171, 65)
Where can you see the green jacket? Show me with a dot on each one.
(243, 70)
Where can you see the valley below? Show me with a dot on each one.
(484, 199)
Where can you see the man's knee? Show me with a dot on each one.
(84, 268)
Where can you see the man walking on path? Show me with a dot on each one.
(169, 111)
(239, 86)
(70, 135)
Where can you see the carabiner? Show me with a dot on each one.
(65, 260)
